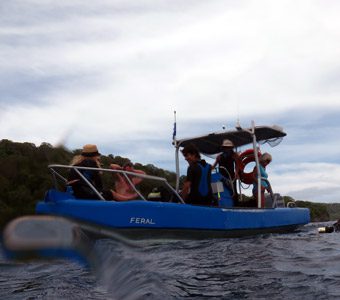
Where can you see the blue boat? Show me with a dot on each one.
(174, 218)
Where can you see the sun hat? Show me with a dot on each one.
(228, 143)
(90, 150)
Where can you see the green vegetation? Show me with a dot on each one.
(333, 211)
(318, 211)
(24, 179)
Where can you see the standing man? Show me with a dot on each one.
(197, 186)
(227, 164)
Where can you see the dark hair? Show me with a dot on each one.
(191, 149)
(128, 164)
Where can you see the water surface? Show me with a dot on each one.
(301, 265)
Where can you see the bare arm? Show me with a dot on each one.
(137, 180)
(116, 167)
(217, 160)
(186, 190)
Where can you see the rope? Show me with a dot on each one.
(230, 180)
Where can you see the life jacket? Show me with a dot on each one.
(88, 174)
(203, 188)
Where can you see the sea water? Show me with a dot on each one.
(300, 265)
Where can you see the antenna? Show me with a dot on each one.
(238, 125)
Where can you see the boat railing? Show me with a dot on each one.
(126, 174)
(274, 197)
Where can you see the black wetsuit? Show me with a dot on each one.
(199, 174)
(227, 161)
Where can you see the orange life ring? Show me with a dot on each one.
(245, 158)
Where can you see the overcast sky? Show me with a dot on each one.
(112, 73)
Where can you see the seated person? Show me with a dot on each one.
(89, 157)
(123, 190)
(155, 195)
(163, 194)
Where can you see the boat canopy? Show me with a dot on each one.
(211, 143)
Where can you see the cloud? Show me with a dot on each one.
(307, 181)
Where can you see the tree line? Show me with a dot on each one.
(24, 178)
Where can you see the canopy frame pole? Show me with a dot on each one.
(133, 186)
(257, 164)
(177, 167)
(240, 198)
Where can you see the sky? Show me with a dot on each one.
(112, 73)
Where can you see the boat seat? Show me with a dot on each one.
(69, 189)
(278, 199)
(54, 195)
(276, 202)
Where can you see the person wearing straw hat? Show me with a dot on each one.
(89, 157)
(226, 162)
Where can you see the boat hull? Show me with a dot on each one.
(139, 219)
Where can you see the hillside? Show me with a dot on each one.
(24, 179)
(333, 210)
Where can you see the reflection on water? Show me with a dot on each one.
(303, 265)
